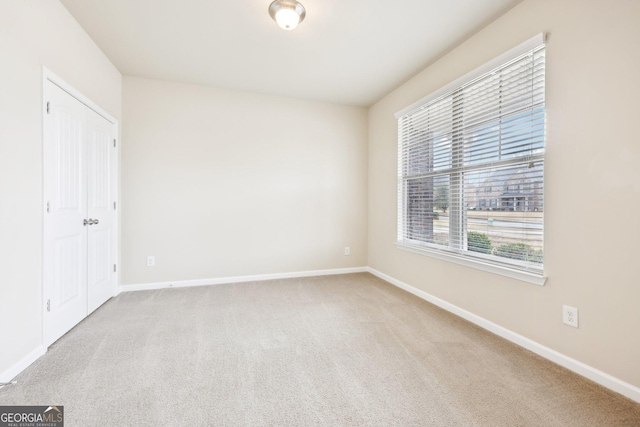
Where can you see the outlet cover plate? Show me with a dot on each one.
(570, 316)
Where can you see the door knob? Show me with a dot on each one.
(95, 221)
(85, 222)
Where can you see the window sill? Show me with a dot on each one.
(529, 277)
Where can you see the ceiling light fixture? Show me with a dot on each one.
(287, 13)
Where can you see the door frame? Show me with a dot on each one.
(49, 76)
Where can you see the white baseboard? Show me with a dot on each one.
(602, 378)
(11, 373)
(238, 279)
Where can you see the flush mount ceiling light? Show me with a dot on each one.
(287, 13)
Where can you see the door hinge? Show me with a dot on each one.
(114, 268)
(114, 206)
(114, 143)
(48, 305)
(48, 207)
(48, 107)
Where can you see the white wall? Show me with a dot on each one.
(592, 184)
(220, 183)
(33, 34)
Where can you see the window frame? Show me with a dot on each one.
(456, 253)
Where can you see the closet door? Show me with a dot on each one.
(80, 184)
(100, 209)
(65, 235)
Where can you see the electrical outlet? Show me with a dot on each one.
(151, 261)
(347, 250)
(570, 316)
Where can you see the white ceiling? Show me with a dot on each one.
(345, 51)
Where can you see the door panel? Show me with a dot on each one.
(65, 237)
(102, 185)
(69, 150)
(67, 276)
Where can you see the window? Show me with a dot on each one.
(483, 134)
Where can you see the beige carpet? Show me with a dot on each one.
(344, 350)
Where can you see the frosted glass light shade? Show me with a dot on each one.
(287, 13)
(287, 19)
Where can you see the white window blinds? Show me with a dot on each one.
(470, 165)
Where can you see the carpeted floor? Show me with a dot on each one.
(345, 350)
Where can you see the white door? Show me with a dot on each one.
(79, 224)
(65, 236)
(100, 210)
